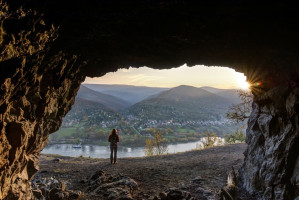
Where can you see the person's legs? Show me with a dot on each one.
(111, 154)
(115, 154)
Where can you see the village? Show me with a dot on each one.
(131, 124)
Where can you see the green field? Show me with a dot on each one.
(64, 133)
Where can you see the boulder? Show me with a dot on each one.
(51, 188)
(112, 186)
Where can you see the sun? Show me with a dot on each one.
(244, 85)
(241, 82)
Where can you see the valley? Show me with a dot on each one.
(183, 113)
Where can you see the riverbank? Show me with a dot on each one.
(96, 151)
(152, 174)
(128, 141)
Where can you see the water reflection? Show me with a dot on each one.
(91, 148)
(96, 151)
(84, 148)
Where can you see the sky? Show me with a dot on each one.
(197, 76)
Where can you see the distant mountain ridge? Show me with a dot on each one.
(179, 103)
(230, 94)
(182, 103)
(108, 101)
(130, 93)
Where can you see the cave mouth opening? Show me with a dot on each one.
(138, 100)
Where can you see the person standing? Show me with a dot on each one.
(113, 139)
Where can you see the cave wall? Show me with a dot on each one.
(269, 170)
(40, 78)
(246, 35)
(31, 108)
(37, 89)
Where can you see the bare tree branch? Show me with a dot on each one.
(240, 112)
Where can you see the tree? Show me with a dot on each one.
(160, 146)
(85, 117)
(240, 112)
(149, 148)
(169, 131)
(156, 145)
(101, 135)
(209, 140)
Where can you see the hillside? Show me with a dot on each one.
(84, 108)
(182, 103)
(111, 102)
(129, 93)
(230, 94)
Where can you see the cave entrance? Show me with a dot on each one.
(185, 103)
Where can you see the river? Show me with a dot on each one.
(95, 151)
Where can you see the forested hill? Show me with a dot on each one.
(89, 111)
(182, 103)
(230, 94)
(109, 101)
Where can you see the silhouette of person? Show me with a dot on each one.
(113, 139)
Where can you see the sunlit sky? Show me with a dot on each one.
(197, 76)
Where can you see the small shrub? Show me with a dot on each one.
(238, 137)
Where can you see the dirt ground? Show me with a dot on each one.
(153, 174)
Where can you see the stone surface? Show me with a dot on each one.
(112, 187)
(30, 108)
(30, 111)
(40, 76)
(193, 190)
(170, 33)
(272, 137)
(51, 188)
(174, 194)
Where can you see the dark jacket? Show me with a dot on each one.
(110, 140)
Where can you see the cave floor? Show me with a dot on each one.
(153, 174)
